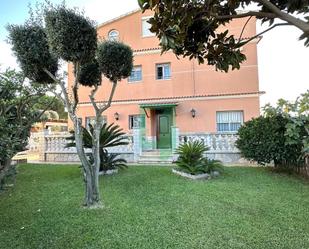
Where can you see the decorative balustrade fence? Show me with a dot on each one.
(216, 142)
(221, 145)
(52, 146)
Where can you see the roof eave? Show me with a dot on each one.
(118, 18)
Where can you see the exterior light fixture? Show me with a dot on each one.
(193, 113)
(116, 115)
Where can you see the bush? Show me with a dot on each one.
(263, 140)
(191, 159)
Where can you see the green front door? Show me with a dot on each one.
(164, 131)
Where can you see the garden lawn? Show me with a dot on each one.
(149, 207)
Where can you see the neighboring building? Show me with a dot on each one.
(164, 92)
(53, 125)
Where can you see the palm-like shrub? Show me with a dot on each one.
(110, 136)
(191, 159)
(211, 165)
(111, 161)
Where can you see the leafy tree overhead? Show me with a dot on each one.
(191, 27)
(67, 35)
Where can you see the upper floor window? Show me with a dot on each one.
(163, 71)
(90, 121)
(146, 27)
(136, 74)
(229, 121)
(136, 121)
(113, 35)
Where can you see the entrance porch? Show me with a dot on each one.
(159, 134)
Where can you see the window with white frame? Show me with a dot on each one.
(136, 74)
(136, 121)
(163, 71)
(146, 27)
(229, 121)
(90, 121)
(113, 35)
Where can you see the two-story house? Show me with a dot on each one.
(164, 92)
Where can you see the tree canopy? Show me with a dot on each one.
(191, 27)
(54, 105)
(66, 34)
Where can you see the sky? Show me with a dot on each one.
(282, 58)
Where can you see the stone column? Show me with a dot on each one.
(137, 143)
(175, 137)
(42, 146)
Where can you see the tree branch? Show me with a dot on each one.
(263, 32)
(106, 106)
(243, 28)
(247, 14)
(302, 25)
(92, 98)
(75, 87)
(63, 90)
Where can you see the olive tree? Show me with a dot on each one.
(191, 27)
(66, 35)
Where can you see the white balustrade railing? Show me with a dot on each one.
(216, 142)
(56, 143)
(34, 141)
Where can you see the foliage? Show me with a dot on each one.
(297, 113)
(17, 114)
(110, 136)
(196, 28)
(55, 104)
(212, 165)
(50, 114)
(280, 136)
(191, 159)
(90, 74)
(70, 35)
(30, 46)
(115, 60)
(111, 161)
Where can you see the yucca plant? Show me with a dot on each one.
(110, 136)
(191, 159)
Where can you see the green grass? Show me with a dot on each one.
(149, 207)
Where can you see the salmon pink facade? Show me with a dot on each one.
(165, 93)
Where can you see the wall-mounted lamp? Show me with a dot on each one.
(193, 113)
(116, 115)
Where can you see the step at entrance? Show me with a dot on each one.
(156, 157)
